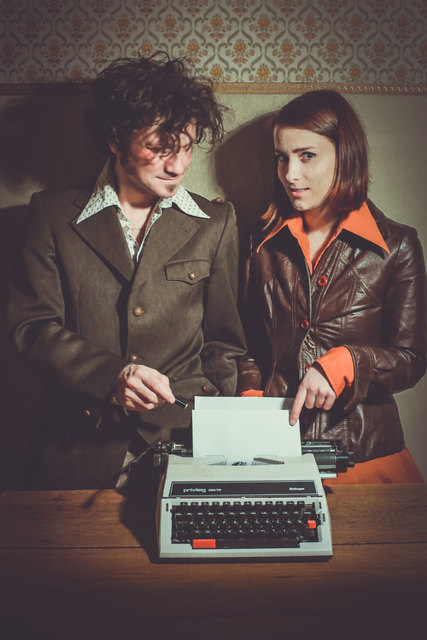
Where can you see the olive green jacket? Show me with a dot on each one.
(80, 310)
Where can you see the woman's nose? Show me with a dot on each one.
(292, 170)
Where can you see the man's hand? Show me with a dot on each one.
(314, 391)
(140, 388)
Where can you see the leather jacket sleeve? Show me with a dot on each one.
(401, 360)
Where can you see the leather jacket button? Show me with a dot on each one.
(137, 311)
(204, 388)
(192, 275)
(133, 358)
(305, 324)
(322, 281)
(87, 413)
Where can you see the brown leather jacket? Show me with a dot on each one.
(359, 297)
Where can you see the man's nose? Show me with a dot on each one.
(174, 163)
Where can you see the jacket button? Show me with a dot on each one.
(137, 311)
(305, 324)
(192, 275)
(87, 413)
(204, 388)
(133, 358)
(322, 281)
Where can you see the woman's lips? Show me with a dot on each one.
(296, 193)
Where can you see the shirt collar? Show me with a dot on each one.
(360, 222)
(104, 195)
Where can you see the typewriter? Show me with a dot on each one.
(220, 505)
(271, 508)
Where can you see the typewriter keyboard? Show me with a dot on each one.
(244, 525)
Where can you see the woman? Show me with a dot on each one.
(334, 298)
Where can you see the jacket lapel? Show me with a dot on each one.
(167, 236)
(104, 234)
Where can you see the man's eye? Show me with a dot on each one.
(158, 151)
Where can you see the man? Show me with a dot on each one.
(124, 298)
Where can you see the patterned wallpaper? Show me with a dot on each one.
(244, 45)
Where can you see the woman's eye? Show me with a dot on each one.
(281, 158)
(308, 155)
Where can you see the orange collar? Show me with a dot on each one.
(360, 222)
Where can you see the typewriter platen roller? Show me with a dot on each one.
(330, 456)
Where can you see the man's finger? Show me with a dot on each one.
(156, 383)
(139, 392)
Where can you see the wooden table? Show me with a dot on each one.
(82, 564)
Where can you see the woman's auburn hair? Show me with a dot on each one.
(327, 113)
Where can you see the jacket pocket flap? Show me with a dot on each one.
(190, 271)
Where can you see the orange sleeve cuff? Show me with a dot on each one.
(251, 393)
(337, 365)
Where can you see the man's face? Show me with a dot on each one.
(149, 171)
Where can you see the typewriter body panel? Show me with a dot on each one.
(207, 509)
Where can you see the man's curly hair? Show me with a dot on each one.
(131, 94)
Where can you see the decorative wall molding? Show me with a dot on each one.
(285, 88)
(250, 46)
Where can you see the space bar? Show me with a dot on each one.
(255, 543)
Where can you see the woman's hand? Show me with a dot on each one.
(141, 388)
(314, 391)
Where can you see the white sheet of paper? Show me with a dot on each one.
(244, 428)
(219, 403)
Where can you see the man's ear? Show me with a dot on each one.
(112, 146)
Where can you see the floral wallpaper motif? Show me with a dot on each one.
(364, 45)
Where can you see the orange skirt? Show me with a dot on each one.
(398, 467)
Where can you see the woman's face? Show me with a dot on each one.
(306, 166)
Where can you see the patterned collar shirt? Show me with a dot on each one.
(105, 195)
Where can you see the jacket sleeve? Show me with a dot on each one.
(224, 340)
(400, 361)
(250, 377)
(37, 319)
